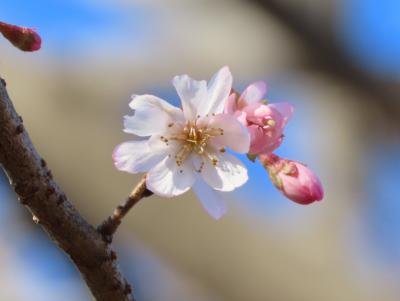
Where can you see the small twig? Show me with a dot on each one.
(108, 227)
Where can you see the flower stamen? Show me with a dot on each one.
(194, 139)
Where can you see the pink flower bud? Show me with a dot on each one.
(296, 181)
(25, 39)
(265, 122)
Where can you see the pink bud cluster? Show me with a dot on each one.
(265, 123)
(25, 39)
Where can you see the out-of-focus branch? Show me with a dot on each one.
(326, 54)
(108, 227)
(37, 190)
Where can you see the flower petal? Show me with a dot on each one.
(157, 143)
(167, 179)
(286, 110)
(152, 115)
(198, 162)
(192, 93)
(211, 199)
(231, 104)
(258, 139)
(235, 135)
(254, 93)
(241, 117)
(228, 174)
(135, 156)
(219, 88)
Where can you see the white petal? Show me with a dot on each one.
(235, 136)
(192, 93)
(167, 179)
(152, 115)
(231, 104)
(219, 88)
(210, 199)
(156, 144)
(136, 156)
(228, 174)
(254, 93)
(198, 162)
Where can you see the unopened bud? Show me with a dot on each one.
(25, 39)
(296, 181)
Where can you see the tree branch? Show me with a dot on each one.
(108, 227)
(36, 189)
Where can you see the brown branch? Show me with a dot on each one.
(38, 191)
(108, 227)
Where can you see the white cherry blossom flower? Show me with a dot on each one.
(186, 148)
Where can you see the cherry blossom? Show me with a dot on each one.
(186, 148)
(265, 122)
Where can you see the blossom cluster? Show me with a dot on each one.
(187, 147)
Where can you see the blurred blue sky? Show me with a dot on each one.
(71, 26)
(382, 211)
(370, 31)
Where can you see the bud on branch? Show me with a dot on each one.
(25, 39)
(296, 181)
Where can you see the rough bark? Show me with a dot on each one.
(39, 193)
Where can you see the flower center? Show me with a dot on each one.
(194, 139)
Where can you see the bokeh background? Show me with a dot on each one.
(337, 61)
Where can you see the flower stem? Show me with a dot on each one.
(110, 225)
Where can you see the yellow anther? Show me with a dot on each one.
(195, 140)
